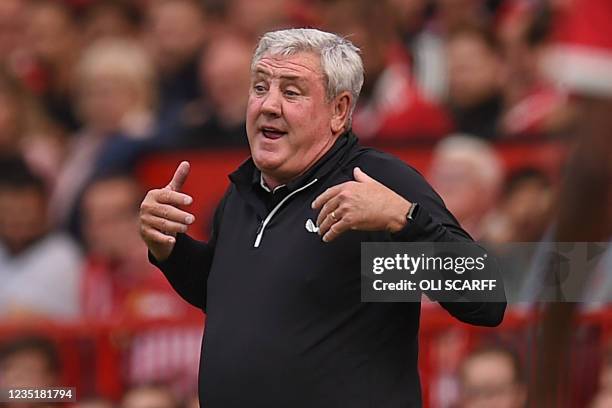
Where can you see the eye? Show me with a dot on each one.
(291, 93)
(259, 89)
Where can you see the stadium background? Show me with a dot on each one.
(100, 100)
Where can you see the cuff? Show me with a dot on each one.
(414, 228)
(172, 259)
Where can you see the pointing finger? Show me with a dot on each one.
(180, 175)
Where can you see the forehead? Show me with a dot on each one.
(300, 65)
(488, 366)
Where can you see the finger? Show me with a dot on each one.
(331, 205)
(152, 235)
(336, 230)
(328, 221)
(164, 225)
(180, 175)
(326, 195)
(361, 177)
(172, 213)
(168, 196)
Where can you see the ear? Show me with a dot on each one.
(340, 111)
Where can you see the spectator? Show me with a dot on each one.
(24, 130)
(149, 396)
(425, 44)
(115, 99)
(493, 378)
(225, 74)
(118, 281)
(251, 19)
(524, 210)
(453, 14)
(29, 362)
(52, 39)
(533, 107)
(119, 286)
(476, 78)
(110, 19)
(39, 269)
(468, 175)
(391, 107)
(425, 27)
(175, 31)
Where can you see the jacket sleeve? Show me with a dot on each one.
(189, 263)
(433, 222)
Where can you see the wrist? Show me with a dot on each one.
(399, 218)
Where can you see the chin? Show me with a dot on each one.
(267, 161)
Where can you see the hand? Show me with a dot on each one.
(363, 204)
(160, 216)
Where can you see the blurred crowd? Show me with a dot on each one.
(88, 88)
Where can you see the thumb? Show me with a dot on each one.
(180, 175)
(361, 177)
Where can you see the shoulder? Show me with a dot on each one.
(388, 170)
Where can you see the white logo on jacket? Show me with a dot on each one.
(311, 227)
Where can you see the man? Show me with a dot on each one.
(279, 278)
(468, 174)
(492, 377)
(39, 268)
(29, 362)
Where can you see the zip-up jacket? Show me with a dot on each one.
(285, 325)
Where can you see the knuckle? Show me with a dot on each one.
(145, 206)
(165, 195)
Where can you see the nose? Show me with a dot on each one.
(271, 105)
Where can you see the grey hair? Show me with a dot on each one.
(340, 60)
(482, 156)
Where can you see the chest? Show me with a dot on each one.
(281, 260)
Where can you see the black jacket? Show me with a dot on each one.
(285, 324)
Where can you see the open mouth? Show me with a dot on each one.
(272, 133)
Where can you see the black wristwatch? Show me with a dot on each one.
(412, 211)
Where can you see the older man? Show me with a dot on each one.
(280, 278)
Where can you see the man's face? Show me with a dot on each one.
(288, 117)
(488, 381)
(28, 368)
(474, 71)
(110, 218)
(22, 217)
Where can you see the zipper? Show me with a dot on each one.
(264, 223)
